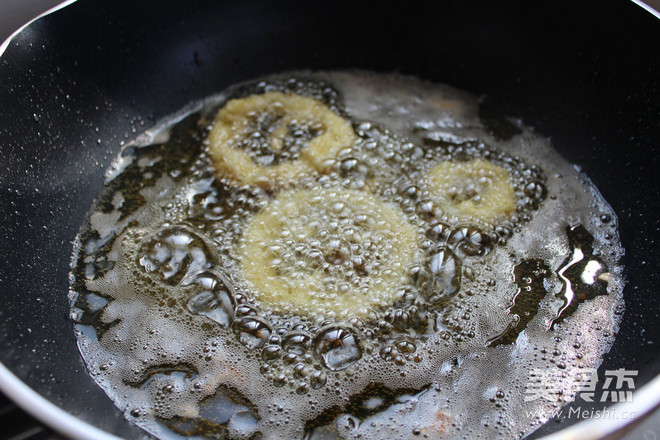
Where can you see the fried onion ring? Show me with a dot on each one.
(327, 252)
(476, 190)
(237, 119)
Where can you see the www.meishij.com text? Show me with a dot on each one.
(586, 413)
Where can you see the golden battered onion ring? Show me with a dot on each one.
(476, 190)
(331, 252)
(233, 122)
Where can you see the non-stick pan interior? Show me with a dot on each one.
(78, 83)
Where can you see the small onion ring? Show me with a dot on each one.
(477, 190)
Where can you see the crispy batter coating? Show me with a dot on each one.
(325, 252)
(286, 113)
(476, 190)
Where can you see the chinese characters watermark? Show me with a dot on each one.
(551, 385)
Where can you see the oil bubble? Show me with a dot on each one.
(440, 278)
(338, 348)
(215, 300)
(173, 253)
(253, 332)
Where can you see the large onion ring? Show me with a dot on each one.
(305, 240)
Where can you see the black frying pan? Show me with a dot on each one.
(74, 84)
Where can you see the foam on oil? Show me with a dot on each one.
(402, 333)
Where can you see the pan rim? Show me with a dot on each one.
(647, 7)
(7, 42)
(44, 410)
